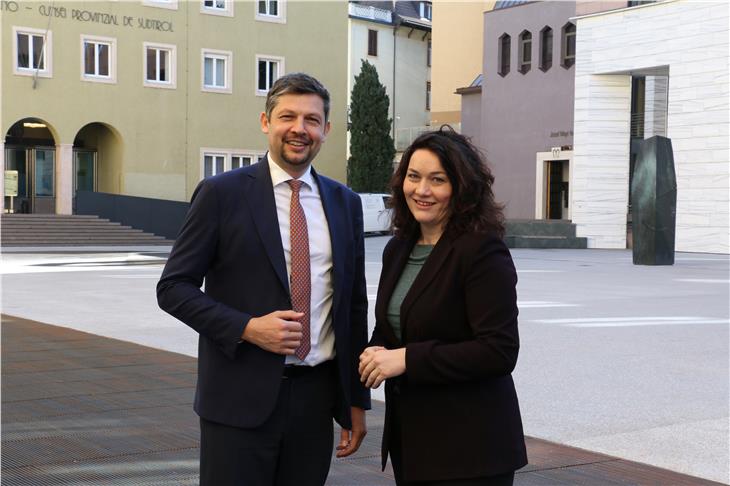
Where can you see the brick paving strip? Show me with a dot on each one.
(88, 410)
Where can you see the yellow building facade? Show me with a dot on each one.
(146, 98)
(458, 33)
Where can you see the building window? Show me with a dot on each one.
(372, 42)
(425, 10)
(169, 4)
(238, 161)
(428, 54)
(271, 10)
(568, 48)
(217, 7)
(428, 95)
(638, 107)
(546, 48)
(214, 161)
(98, 59)
(268, 70)
(216, 71)
(213, 164)
(32, 52)
(525, 52)
(504, 53)
(159, 65)
(269, 7)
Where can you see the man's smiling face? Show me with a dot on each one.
(296, 130)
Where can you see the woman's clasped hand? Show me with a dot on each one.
(377, 364)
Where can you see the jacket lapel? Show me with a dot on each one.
(333, 211)
(390, 274)
(263, 209)
(430, 270)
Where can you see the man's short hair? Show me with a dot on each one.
(297, 83)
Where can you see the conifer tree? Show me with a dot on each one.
(372, 151)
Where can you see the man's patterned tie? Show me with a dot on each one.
(301, 284)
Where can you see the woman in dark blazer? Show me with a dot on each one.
(445, 338)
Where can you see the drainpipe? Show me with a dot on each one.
(396, 24)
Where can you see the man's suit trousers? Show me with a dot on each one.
(293, 447)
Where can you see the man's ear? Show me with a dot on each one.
(327, 127)
(264, 122)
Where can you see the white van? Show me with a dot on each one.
(376, 214)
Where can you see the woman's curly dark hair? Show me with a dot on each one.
(472, 207)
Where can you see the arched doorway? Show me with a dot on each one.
(97, 159)
(30, 156)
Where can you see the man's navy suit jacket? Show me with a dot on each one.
(231, 239)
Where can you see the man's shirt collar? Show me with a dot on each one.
(279, 175)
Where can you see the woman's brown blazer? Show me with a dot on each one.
(459, 411)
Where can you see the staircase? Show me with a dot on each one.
(542, 233)
(70, 230)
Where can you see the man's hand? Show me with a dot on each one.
(378, 364)
(350, 440)
(278, 332)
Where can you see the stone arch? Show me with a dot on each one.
(106, 144)
(29, 149)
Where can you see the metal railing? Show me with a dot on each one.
(405, 136)
(371, 13)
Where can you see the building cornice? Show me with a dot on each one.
(623, 9)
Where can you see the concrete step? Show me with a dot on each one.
(83, 237)
(545, 242)
(70, 230)
(51, 216)
(540, 227)
(51, 222)
(83, 234)
(85, 243)
(542, 233)
(70, 240)
(82, 242)
(63, 230)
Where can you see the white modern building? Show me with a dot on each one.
(680, 48)
(395, 37)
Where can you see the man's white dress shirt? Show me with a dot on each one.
(322, 334)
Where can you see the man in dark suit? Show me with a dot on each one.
(283, 317)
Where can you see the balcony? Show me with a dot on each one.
(370, 13)
(405, 136)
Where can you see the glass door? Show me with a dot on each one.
(84, 172)
(43, 180)
(36, 179)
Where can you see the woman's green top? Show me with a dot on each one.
(415, 262)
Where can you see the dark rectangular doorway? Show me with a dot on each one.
(556, 204)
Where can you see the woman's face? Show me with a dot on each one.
(427, 189)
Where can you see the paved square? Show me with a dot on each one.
(630, 361)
